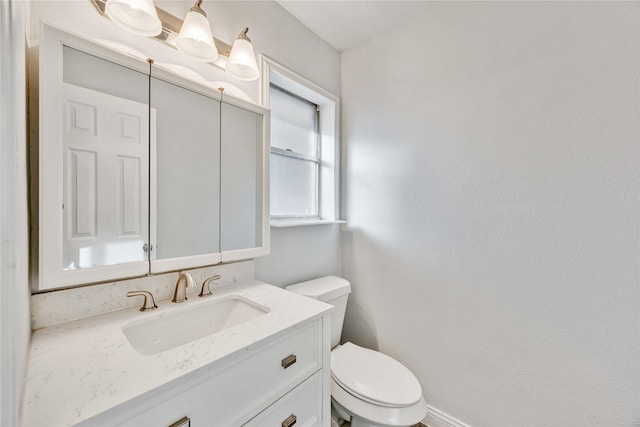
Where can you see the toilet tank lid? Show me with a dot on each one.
(323, 289)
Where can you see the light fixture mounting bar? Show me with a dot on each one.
(170, 29)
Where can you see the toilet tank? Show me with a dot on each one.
(331, 290)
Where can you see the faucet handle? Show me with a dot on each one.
(148, 304)
(205, 291)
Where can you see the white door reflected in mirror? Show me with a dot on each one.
(106, 178)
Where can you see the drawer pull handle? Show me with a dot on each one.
(182, 422)
(291, 420)
(288, 361)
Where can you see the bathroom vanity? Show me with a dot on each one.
(144, 172)
(267, 365)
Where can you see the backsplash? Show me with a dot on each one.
(52, 308)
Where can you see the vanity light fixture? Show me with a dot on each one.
(136, 16)
(192, 36)
(195, 38)
(242, 60)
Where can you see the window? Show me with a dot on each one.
(295, 155)
(304, 148)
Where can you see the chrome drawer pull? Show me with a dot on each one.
(288, 361)
(291, 420)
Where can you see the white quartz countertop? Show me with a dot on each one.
(80, 369)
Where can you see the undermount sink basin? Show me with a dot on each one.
(169, 330)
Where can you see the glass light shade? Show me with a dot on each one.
(195, 38)
(136, 16)
(242, 61)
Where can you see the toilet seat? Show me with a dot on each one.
(374, 377)
(377, 415)
(356, 387)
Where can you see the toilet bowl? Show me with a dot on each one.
(368, 388)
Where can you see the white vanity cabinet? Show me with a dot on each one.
(273, 383)
(266, 370)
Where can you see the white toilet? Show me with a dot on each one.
(368, 388)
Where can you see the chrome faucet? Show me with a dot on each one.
(184, 281)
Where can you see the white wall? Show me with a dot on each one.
(275, 33)
(491, 169)
(301, 253)
(15, 328)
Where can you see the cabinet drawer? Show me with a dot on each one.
(300, 408)
(233, 396)
(270, 374)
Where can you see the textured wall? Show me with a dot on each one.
(301, 253)
(491, 169)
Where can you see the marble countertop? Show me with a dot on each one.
(80, 369)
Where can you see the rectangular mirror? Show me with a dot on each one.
(93, 163)
(106, 162)
(186, 168)
(244, 207)
(141, 170)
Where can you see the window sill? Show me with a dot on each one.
(284, 223)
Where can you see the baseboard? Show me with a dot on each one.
(437, 418)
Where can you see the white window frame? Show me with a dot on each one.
(329, 144)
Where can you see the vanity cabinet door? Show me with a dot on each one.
(185, 171)
(244, 231)
(93, 166)
(302, 406)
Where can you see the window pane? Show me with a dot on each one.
(293, 186)
(293, 123)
